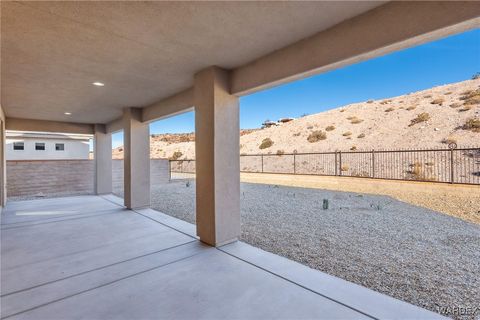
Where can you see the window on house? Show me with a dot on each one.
(39, 146)
(59, 146)
(18, 146)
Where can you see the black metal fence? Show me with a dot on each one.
(460, 165)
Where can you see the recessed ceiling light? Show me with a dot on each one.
(98, 84)
(67, 113)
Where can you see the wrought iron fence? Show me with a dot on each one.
(454, 165)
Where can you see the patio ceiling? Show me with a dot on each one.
(142, 51)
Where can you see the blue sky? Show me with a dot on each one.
(448, 60)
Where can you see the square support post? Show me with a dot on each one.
(217, 138)
(102, 149)
(136, 166)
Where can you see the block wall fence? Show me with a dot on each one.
(68, 177)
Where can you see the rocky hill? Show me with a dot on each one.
(425, 119)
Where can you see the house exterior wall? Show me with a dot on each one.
(74, 149)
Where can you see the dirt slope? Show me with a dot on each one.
(379, 124)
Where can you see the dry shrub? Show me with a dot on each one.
(455, 105)
(361, 135)
(422, 117)
(280, 152)
(438, 101)
(389, 109)
(471, 97)
(472, 124)
(356, 120)
(448, 93)
(351, 118)
(330, 128)
(465, 108)
(316, 135)
(411, 108)
(427, 96)
(342, 110)
(418, 172)
(176, 155)
(449, 140)
(297, 134)
(346, 134)
(310, 127)
(353, 148)
(344, 167)
(266, 143)
(370, 101)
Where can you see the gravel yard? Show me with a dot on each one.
(411, 253)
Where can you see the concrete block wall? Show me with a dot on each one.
(49, 177)
(68, 177)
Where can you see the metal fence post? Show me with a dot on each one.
(340, 162)
(336, 163)
(169, 170)
(294, 165)
(373, 163)
(451, 166)
(262, 162)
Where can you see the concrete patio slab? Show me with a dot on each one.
(106, 262)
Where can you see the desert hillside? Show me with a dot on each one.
(425, 119)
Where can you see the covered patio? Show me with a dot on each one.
(102, 67)
(88, 257)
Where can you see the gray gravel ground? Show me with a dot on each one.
(411, 253)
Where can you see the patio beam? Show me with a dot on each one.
(136, 138)
(48, 126)
(115, 125)
(393, 26)
(171, 106)
(217, 138)
(102, 148)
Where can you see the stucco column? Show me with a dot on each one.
(3, 164)
(136, 166)
(217, 138)
(102, 148)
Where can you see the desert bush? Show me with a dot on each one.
(344, 167)
(411, 108)
(351, 118)
(448, 93)
(346, 134)
(356, 120)
(389, 109)
(266, 143)
(438, 101)
(310, 127)
(471, 97)
(176, 155)
(422, 117)
(280, 152)
(370, 101)
(353, 148)
(361, 135)
(330, 128)
(316, 135)
(417, 172)
(342, 110)
(465, 108)
(455, 105)
(427, 96)
(472, 124)
(297, 134)
(449, 140)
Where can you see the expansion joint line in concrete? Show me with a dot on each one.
(297, 284)
(102, 285)
(163, 224)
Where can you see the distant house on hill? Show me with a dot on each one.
(46, 146)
